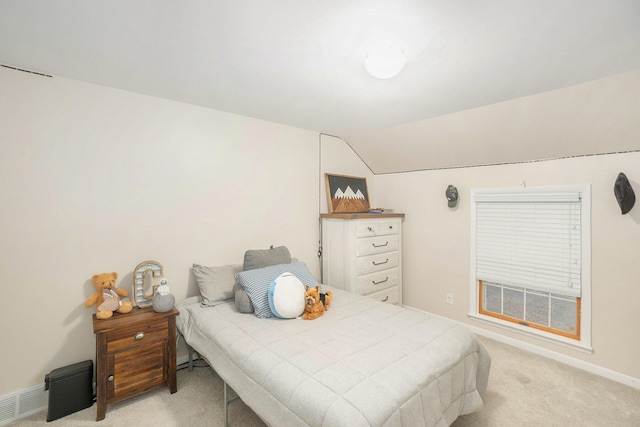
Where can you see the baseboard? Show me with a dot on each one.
(559, 357)
(554, 355)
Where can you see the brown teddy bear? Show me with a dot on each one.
(326, 299)
(107, 299)
(315, 303)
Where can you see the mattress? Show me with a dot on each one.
(364, 363)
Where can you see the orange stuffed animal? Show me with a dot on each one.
(315, 303)
(107, 299)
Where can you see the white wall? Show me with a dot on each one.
(95, 179)
(436, 240)
(337, 158)
(575, 120)
(437, 249)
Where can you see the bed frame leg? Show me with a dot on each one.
(226, 406)
(190, 358)
(227, 402)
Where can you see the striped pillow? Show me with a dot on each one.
(258, 281)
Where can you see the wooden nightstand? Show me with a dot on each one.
(135, 353)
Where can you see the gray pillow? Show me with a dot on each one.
(259, 258)
(243, 303)
(216, 283)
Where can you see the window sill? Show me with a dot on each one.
(582, 345)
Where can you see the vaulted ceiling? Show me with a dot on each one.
(300, 62)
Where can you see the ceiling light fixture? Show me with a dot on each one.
(384, 60)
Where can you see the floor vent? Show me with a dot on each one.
(22, 403)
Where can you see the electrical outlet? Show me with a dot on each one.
(449, 298)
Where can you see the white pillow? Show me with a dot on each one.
(286, 296)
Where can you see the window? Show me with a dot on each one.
(530, 259)
(555, 313)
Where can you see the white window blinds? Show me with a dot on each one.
(530, 239)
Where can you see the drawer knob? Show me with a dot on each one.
(385, 298)
(139, 335)
(381, 281)
(110, 378)
(380, 263)
(380, 246)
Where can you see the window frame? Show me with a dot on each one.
(529, 323)
(475, 300)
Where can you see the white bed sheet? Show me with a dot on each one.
(364, 363)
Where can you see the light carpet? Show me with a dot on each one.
(524, 390)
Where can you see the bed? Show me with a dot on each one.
(363, 363)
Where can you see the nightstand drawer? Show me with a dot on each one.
(136, 335)
(379, 262)
(377, 281)
(378, 244)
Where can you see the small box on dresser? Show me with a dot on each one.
(362, 253)
(135, 353)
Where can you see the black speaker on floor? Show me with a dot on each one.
(70, 389)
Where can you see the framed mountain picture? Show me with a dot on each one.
(346, 193)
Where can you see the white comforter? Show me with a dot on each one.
(364, 363)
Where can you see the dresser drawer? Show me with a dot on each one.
(391, 295)
(379, 262)
(388, 227)
(377, 228)
(378, 244)
(366, 229)
(137, 335)
(377, 281)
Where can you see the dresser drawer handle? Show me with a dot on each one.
(110, 379)
(381, 281)
(380, 263)
(139, 335)
(380, 246)
(385, 298)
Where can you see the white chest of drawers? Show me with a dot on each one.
(362, 253)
